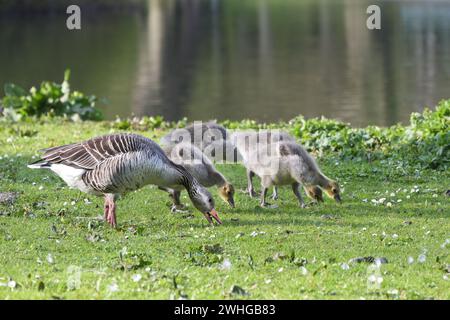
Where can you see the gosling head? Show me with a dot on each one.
(333, 191)
(314, 193)
(204, 202)
(226, 192)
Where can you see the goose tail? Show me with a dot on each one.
(39, 164)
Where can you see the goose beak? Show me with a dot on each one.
(337, 198)
(231, 202)
(212, 213)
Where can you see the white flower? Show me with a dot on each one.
(12, 284)
(422, 258)
(394, 236)
(50, 258)
(280, 270)
(345, 266)
(137, 277)
(303, 271)
(226, 264)
(41, 187)
(375, 279)
(267, 281)
(410, 260)
(113, 287)
(389, 204)
(393, 292)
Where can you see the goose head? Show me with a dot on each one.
(333, 191)
(204, 202)
(315, 193)
(226, 192)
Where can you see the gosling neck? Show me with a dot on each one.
(218, 179)
(323, 181)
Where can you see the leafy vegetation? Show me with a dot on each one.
(424, 143)
(50, 99)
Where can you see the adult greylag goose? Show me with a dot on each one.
(285, 163)
(115, 164)
(200, 167)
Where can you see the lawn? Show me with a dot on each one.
(54, 245)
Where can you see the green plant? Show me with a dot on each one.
(50, 98)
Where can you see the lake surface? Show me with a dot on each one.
(266, 60)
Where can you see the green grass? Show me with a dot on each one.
(51, 230)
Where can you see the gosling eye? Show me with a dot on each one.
(209, 200)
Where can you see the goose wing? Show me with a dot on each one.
(88, 154)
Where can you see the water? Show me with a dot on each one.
(267, 60)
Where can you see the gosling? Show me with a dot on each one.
(200, 167)
(247, 142)
(285, 163)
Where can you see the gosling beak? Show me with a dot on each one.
(212, 213)
(231, 202)
(337, 198)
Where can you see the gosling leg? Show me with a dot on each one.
(266, 183)
(295, 188)
(175, 196)
(263, 202)
(177, 206)
(275, 193)
(251, 190)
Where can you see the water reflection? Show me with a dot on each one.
(262, 59)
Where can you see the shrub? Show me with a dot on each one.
(49, 99)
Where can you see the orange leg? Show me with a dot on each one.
(110, 210)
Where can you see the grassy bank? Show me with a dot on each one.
(51, 236)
